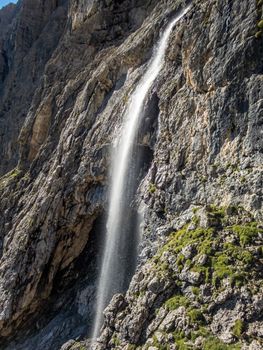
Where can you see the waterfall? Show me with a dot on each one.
(120, 247)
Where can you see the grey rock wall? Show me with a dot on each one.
(72, 69)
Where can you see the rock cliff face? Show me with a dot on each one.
(202, 290)
(29, 35)
(67, 69)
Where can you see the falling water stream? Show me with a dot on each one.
(120, 247)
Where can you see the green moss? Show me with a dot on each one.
(179, 335)
(204, 271)
(260, 24)
(213, 343)
(181, 344)
(246, 233)
(233, 261)
(196, 220)
(180, 261)
(131, 347)
(215, 211)
(238, 279)
(188, 262)
(158, 345)
(116, 341)
(233, 209)
(195, 210)
(222, 266)
(210, 342)
(196, 316)
(5, 180)
(181, 340)
(246, 257)
(233, 166)
(225, 265)
(14, 173)
(238, 328)
(176, 301)
(152, 188)
(206, 246)
(201, 332)
(196, 291)
(164, 266)
(183, 238)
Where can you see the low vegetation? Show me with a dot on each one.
(222, 251)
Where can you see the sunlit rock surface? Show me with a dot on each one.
(67, 70)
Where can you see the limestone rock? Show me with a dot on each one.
(67, 70)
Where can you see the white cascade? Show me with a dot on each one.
(114, 262)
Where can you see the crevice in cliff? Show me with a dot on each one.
(77, 270)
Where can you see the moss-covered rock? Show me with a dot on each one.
(206, 280)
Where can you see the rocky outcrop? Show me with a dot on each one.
(71, 69)
(60, 156)
(202, 290)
